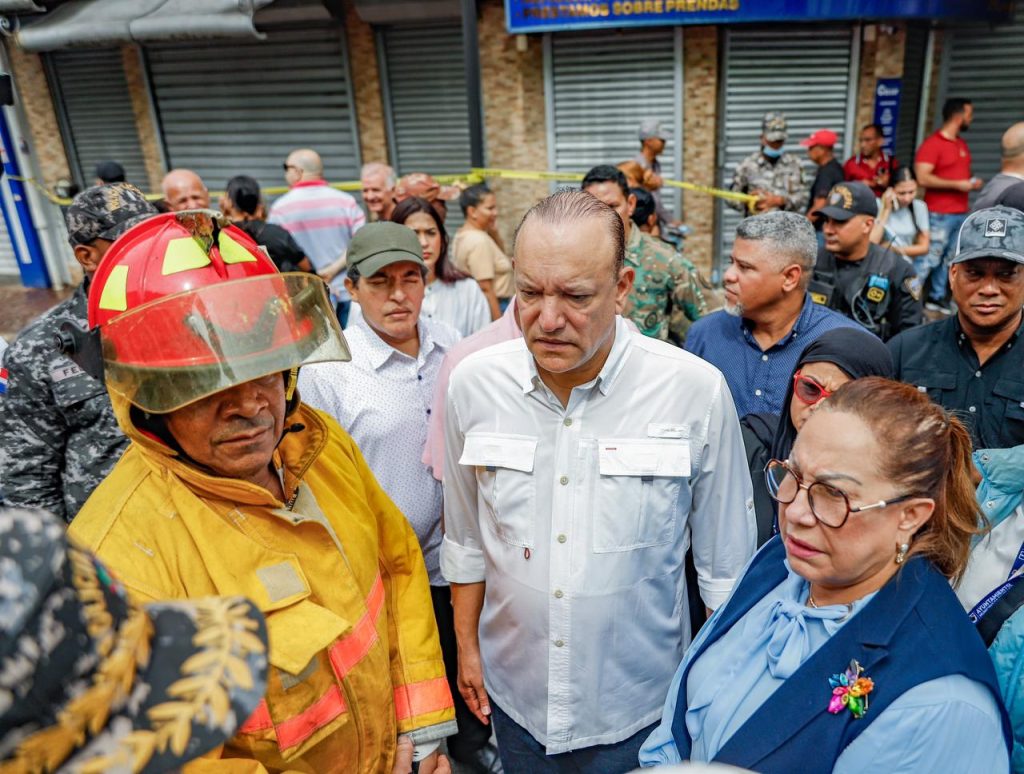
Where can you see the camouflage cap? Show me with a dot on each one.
(87, 677)
(774, 126)
(105, 212)
(994, 232)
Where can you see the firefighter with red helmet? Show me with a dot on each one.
(232, 486)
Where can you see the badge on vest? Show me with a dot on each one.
(850, 691)
(878, 286)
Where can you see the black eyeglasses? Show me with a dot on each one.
(829, 505)
(286, 166)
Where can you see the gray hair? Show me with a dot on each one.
(790, 237)
(571, 206)
(376, 168)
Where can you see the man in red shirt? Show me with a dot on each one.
(943, 168)
(873, 166)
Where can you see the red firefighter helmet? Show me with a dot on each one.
(187, 306)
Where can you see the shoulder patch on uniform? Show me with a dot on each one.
(3, 381)
(912, 285)
(66, 371)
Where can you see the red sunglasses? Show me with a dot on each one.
(808, 390)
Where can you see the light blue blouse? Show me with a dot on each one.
(948, 724)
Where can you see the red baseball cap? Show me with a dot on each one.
(823, 137)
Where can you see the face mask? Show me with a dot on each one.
(771, 152)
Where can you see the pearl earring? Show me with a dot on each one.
(901, 553)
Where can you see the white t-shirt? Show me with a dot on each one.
(901, 229)
(460, 304)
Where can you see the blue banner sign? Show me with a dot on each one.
(887, 109)
(552, 15)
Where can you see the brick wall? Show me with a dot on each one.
(700, 129)
(362, 57)
(144, 123)
(881, 57)
(33, 92)
(512, 81)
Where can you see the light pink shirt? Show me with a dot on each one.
(505, 328)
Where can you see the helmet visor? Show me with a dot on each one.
(178, 349)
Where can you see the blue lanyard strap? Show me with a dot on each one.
(990, 599)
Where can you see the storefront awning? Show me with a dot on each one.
(107, 22)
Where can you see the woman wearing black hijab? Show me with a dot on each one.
(834, 358)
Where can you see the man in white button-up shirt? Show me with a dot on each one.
(581, 463)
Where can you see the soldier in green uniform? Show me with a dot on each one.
(668, 293)
(770, 173)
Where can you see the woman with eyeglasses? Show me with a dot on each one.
(827, 363)
(843, 647)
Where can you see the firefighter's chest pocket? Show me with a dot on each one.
(637, 492)
(506, 483)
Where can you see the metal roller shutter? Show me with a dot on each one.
(427, 108)
(984, 64)
(808, 74)
(239, 107)
(911, 104)
(601, 85)
(96, 111)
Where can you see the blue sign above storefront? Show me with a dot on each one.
(552, 15)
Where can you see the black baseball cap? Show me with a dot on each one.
(110, 172)
(846, 200)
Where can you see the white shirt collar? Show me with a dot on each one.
(529, 379)
(378, 352)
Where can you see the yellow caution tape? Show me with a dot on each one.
(475, 175)
(518, 174)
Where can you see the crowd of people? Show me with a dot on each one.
(346, 492)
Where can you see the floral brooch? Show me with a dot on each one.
(850, 690)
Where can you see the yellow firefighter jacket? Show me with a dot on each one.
(354, 654)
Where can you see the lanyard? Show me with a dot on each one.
(990, 599)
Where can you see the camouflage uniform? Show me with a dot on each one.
(784, 177)
(668, 293)
(58, 434)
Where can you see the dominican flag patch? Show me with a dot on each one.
(3, 380)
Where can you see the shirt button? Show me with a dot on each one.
(559, 643)
(757, 393)
(563, 480)
(978, 374)
(562, 538)
(972, 409)
(559, 594)
(990, 504)
(420, 377)
(764, 358)
(567, 421)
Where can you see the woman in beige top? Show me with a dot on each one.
(478, 250)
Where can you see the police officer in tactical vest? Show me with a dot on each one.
(873, 286)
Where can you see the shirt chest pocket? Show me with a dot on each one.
(505, 481)
(1010, 393)
(637, 492)
(937, 385)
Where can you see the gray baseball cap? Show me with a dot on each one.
(377, 245)
(651, 127)
(995, 232)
